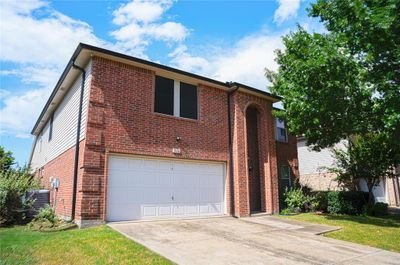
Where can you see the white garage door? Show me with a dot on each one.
(146, 188)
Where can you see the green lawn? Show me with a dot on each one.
(372, 231)
(97, 245)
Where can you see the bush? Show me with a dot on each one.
(297, 200)
(13, 186)
(46, 218)
(346, 202)
(377, 209)
(320, 201)
(46, 213)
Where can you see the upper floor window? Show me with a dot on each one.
(175, 98)
(284, 174)
(51, 127)
(281, 133)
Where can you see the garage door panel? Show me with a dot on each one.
(184, 180)
(146, 188)
(118, 163)
(215, 208)
(123, 212)
(187, 195)
(165, 210)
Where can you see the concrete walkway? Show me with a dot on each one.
(252, 240)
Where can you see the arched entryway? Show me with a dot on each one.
(254, 179)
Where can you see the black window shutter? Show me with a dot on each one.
(164, 96)
(188, 101)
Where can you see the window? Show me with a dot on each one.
(175, 98)
(188, 101)
(281, 134)
(284, 174)
(164, 101)
(40, 141)
(51, 127)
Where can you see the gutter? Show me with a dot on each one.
(78, 134)
(233, 89)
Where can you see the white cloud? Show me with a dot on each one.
(38, 41)
(50, 39)
(140, 11)
(20, 111)
(38, 48)
(244, 62)
(181, 58)
(139, 24)
(287, 9)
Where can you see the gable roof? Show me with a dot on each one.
(84, 52)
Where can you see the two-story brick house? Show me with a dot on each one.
(129, 139)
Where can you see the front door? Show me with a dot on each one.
(253, 160)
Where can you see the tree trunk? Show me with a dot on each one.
(370, 194)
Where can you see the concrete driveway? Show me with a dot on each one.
(253, 240)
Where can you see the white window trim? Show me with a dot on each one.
(277, 132)
(177, 99)
(289, 174)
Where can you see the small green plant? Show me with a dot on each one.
(47, 213)
(297, 200)
(286, 211)
(46, 218)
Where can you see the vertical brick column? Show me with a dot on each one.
(92, 189)
(267, 154)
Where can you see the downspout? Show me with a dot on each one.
(231, 179)
(78, 133)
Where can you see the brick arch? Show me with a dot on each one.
(267, 154)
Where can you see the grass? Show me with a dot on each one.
(380, 232)
(97, 245)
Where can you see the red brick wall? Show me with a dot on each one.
(267, 154)
(62, 167)
(287, 155)
(121, 120)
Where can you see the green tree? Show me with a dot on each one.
(366, 157)
(346, 81)
(6, 159)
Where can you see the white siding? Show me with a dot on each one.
(311, 162)
(64, 124)
(380, 191)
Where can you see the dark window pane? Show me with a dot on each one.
(188, 101)
(51, 127)
(164, 96)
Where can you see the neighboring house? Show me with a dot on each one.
(313, 173)
(155, 142)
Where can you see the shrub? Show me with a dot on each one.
(346, 202)
(13, 186)
(46, 213)
(46, 218)
(297, 200)
(377, 209)
(320, 201)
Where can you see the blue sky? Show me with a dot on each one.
(225, 40)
